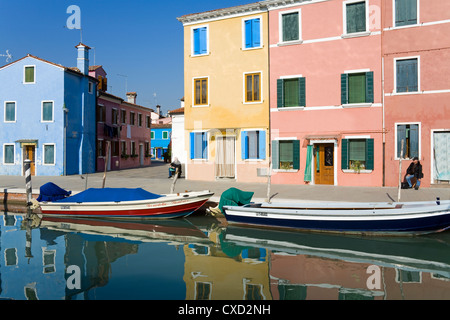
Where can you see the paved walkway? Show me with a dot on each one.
(155, 179)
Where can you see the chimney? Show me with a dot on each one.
(131, 97)
(83, 58)
(158, 110)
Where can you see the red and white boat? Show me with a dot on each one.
(123, 203)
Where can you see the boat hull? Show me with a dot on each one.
(170, 206)
(407, 218)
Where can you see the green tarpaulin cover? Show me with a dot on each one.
(235, 197)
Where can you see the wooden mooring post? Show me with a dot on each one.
(28, 187)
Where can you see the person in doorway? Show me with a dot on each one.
(176, 164)
(414, 171)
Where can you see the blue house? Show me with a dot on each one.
(160, 136)
(47, 116)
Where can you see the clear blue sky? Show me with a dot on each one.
(141, 39)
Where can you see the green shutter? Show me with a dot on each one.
(344, 155)
(296, 154)
(302, 92)
(280, 89)
(344, 88)
(369, 87)
(275, 154)
(369, 154)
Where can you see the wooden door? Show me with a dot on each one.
(29, 153)
(225, 157)
(324, 163)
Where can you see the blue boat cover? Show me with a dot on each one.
(51, 192)
(111, 195)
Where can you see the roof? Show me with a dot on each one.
(177, 111)
(161, 125)
(102, 94)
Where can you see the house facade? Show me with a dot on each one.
(161, 138)
(46, 112)
(325, 92)
(178, 136)
(416, 53)
(226, 93)
(123, 129)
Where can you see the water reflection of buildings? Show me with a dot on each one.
(226, 272)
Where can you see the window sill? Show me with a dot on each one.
(200, 55)
(289, 43)
(353, 171)
(201, 106)
(356, 35)
(200, 160)
(404, 93)
(357, 105)
(255, 102)
(290, 108)
(284, 170)
(252, 48)
(253, 160)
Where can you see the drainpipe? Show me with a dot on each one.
(383, 94)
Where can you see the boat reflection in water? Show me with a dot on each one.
(200, 258)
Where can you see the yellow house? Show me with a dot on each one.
(227, 93)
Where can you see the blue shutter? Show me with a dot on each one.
(256, 33)
(196, 41)
(413, 140)
(248, 33)
(262, 145)
(192, 135)
(204, 145)
(244, 145)
(275, 154)
(203, 41)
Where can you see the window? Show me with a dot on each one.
(132, 118)
(29, 74)
(123, 116)
(405, 12)
(286, 154)
(114, 116)
(49, 154)
(133, 148)
(291, 92)
(252, 33)
(199, 145)
(165, 135)
(90, 87)
(253, 144)
(409, 134)
(357, 88)
(253, 87)
(10, 112)
(101, 113)
(200, 41)
(101, 152)
(115, 148)
(47, 111)
(8, 153)
(152, 135)
(407, 75)
(290, 26)
(200, 92)
(355, 17)
(123, 147)
(148, 122)
(357, 154)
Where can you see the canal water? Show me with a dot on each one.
(201, 258)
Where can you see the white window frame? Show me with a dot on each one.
(15, 112)
(395, 75)
(4, 154)
(162, 136)
(26, 66)
(395, 138)
(207, 146)
(407, 26)
(254, 130)
(362, 137)
(344, 11)
(280, 27)
(193, 93)
(54, 154)
(358, 104)
(42, 111)
(288, 77)
(193, 55)
(90, 87)
(244, 92)
(260, 33)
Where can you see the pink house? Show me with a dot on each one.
(123, 129)
(326, 102)
(416, 55)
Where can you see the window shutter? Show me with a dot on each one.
(411, 12)
(204, 145)
(344, 155)
(369, 87)
(262, 145)
(296, 153)
(196, 41)
(400, 12)
(280, 93)
(401, 136)
(192, 134)
(256, 32)
(369, 154)
(302, 91)
(248, 33)
(412, 76)
(275, 154)
(344, 88)
(244, 145)
(203, 41)
(413, 140)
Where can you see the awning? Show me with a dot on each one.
(323, 137)
(27, 142)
